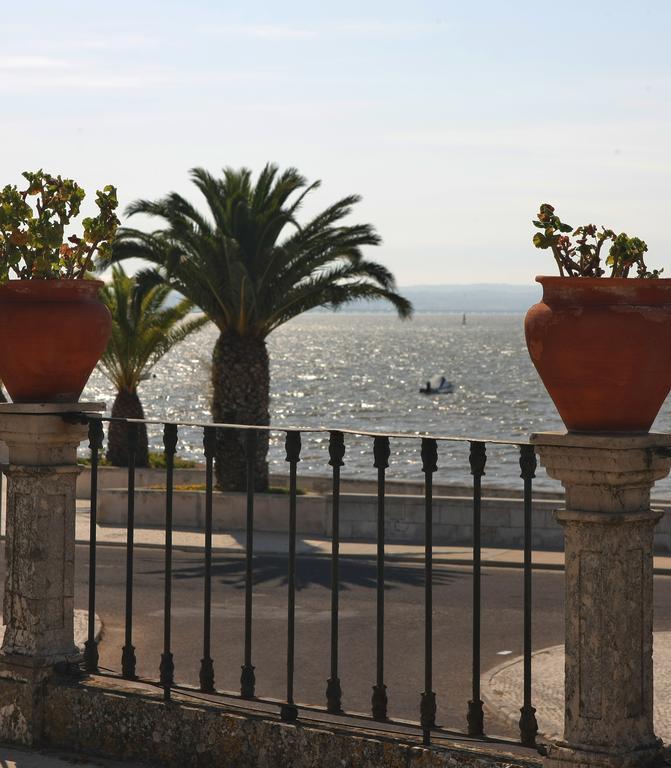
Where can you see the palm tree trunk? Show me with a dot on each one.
(240, 395)
(127, 405)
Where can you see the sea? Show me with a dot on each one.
(363, 371)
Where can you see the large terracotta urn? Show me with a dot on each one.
(602, 347)
(52, 334)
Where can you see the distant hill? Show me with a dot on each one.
(478, 297)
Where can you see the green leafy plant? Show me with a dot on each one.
(156, 460)
(33, 222)
(578, 251)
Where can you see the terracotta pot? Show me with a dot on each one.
(52, 334)
(602, 347)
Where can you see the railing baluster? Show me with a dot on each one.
(128, 661)
(289, 711)
(247, 678)
(91, 645)
(206, 663)
(381, 453)
(333, 688)
(167, 667)
(528, 724)
(475, 716)
(428, 700)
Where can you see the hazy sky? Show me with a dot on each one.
(452, 119)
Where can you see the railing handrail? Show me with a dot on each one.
(88, 417)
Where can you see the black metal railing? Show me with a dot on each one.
(289, 710)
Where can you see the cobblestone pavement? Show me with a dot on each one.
(502, 688)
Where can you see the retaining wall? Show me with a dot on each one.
(113, 720)
(117, 477)
(502, 519)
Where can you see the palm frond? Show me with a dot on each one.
(144, 327)
(250, 264)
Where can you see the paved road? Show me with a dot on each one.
(501, 624)
(404, 639)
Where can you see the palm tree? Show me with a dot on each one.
(143, 330)
(250, 266)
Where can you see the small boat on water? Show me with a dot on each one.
(437, 385)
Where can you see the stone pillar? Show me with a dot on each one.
(39, 557)
(608, 531)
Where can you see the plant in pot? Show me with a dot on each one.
(54, 327)
(600, 338)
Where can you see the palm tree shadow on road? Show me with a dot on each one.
(315, 571)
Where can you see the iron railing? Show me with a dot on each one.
(289, 710)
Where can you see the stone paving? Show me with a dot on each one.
(502, 688)
(12, 757)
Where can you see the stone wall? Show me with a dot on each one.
(502, 519)
(117, 477)
(111, 720)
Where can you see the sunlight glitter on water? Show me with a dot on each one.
(363, 371)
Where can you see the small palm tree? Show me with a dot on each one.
(143, 330)
(251, 266)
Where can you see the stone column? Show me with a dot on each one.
(608, 531)
(39, 557)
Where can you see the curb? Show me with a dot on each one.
(494, 703)
(661, 570)
(412, 558)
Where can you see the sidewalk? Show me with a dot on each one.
(13, 757)
(278, 543)
(502, 688)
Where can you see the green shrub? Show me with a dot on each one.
(156, 461)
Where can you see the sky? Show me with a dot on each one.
(453, 120)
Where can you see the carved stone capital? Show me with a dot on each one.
(37, 435)
(605, 473)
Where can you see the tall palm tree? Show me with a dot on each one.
(143, 330)
(251, 266)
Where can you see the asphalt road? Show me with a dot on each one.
(502, 601)
(502, 606)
